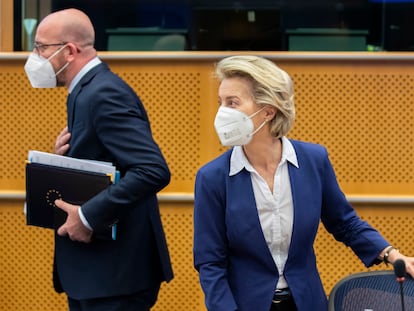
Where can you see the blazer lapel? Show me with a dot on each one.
(246, 215)
(71, 101)
(303, 189)
(70, 108)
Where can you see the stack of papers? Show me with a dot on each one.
(73, 163)
(50, 177)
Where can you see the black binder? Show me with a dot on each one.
(46, 183)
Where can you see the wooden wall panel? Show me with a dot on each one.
(27, 254)
(358, 106)
(360, 110)
(6, 25)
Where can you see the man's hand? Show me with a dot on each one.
(61, 144)
(73, 227)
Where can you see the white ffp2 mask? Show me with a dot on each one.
(40, 71)
(234, 127)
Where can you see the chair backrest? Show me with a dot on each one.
(372, 291)
(173, 42)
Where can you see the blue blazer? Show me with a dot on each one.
(236, 269)
(107, 122)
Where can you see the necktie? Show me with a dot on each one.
(70, 109)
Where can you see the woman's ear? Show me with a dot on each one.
(270, 112)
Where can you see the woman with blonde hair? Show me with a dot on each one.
(258, 205)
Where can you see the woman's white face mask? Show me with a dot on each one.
(234, 127)
(40, 71)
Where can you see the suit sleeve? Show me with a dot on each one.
(210, 241)
(123, 130)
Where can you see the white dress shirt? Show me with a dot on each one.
(275, 210)
(92, 63)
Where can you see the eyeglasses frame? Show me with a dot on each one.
(38, 46)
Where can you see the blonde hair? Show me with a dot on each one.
(270, 86)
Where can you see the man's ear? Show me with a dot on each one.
(72, 51)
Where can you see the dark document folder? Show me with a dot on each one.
(46, 183)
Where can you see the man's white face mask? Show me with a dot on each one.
(40, 71)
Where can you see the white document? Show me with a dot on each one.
(72, 163)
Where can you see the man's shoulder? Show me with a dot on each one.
(101, 76)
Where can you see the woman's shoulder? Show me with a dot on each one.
(218, 164)
(308, 148)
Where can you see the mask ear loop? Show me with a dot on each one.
(61, 69)
(255, 113)
(261, 125)
(259, 128)
(56, 53)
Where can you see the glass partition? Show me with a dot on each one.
(256, 25)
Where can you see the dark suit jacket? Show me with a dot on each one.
(107, 122)
(236, 269)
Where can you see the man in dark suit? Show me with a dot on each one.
(107, 122)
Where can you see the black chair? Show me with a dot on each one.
(372, 291)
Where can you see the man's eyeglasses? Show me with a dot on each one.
(40, 48)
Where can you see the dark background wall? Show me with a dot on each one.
(252, 24)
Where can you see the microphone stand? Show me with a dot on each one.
(401, 281)
(400, 272)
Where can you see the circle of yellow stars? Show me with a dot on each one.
(52, 195)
